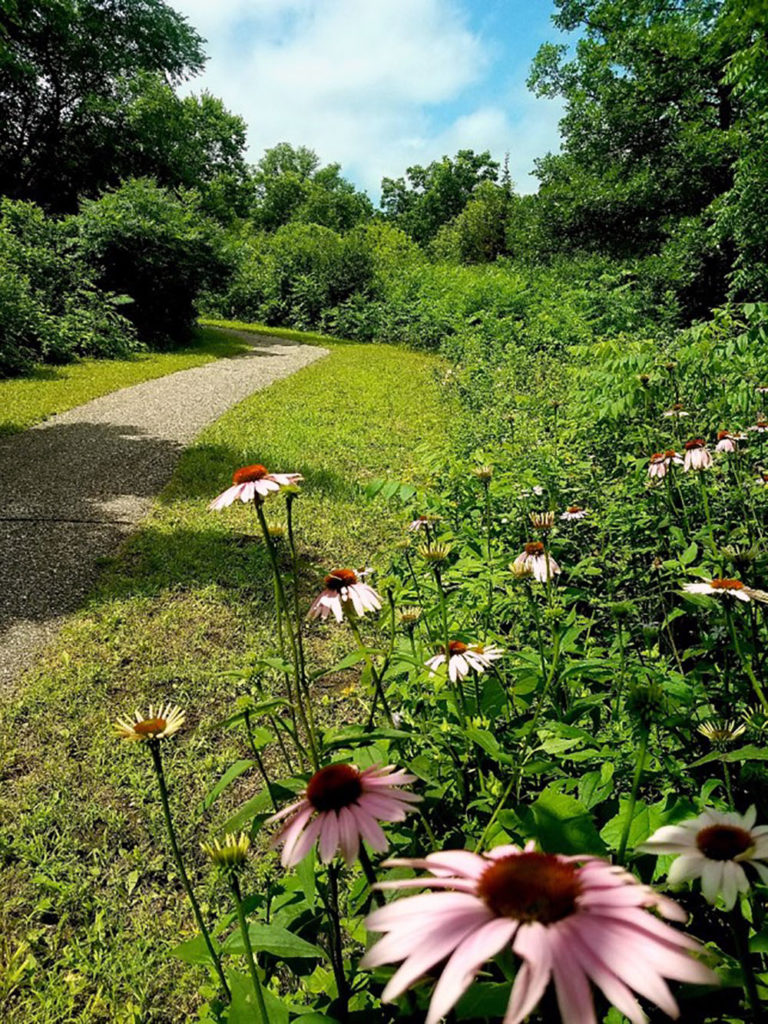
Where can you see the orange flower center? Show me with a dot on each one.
(150, 726)
(339, 579)
(248, 474)
(334, 787)
(534, 548)
(724, 584)
(530, 887)
(723, 842)
(575, 508)
(722, 434)
(456, 647)
(693, 445)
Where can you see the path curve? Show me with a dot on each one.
(73, 487)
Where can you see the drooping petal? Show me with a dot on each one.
(532, 944)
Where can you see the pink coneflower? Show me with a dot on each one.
(697, 455)
(421, 523)
(727, 588)
(761, 426)
(574, 512)
(535, 559)
(570, 919)
(714, 847)
(464, 658)
(677, 411)
(726, 441)
(343, 593)
(340, 807)
(660, 463)
(253, 482)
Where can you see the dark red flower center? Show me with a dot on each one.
(573, 509)
(339, 579)
(334, 787)
(150, 726)
(530, 887)
(725, 584)
(248, 474)
(697, 442)
(722, 434)
(670, 453)
(535, 547)
(723, 842)
(762, 424)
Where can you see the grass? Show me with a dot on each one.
(307, 337)
(89, 903)
(51, 389)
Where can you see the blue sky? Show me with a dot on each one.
(380, 84)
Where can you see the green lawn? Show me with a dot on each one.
(51, 389)
(89, 903)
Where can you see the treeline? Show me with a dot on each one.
(128, 207)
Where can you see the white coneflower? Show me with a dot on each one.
(254, 483)
(760, 427)
(421, 523)
(736, 589)
(660, 462)
(535, 559)
(574, 512)
(464, 658)
(156, 725)
(714, 847)
(677, 411)
(542, 520)
(697, 455)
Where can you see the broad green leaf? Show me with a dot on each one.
(748, 753)
(484, 1001)
(563, 825)
(269, 938)
(193, 951)
(257, 805)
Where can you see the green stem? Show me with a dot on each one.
(639, 769)
(741, 938)
(337, 959)
(258, 760)
(458, 689)
(497, 811)
(154, 747)
(294, 649)
(745, 662)
(248, 949)
(489, 610)
(374, 674)
(370, 874)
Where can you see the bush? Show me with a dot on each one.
(156, 247)
(49, 308)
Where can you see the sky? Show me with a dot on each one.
(378, 85)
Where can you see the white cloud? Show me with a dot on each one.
(359, 81)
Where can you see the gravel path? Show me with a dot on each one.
(73, 487)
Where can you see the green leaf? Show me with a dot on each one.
(233, 772)
(748, 753)
(270, 938)
(347, 662)
(487, 742)
(563, 824)
(244, 1008)
(355, 735)
(305, 872)
(690, 553)
(193, 951)
(484, 1001)
(242, 818)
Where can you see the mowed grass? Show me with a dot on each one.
(51, 389)
(89, 901)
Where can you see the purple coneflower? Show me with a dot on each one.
(252, 482)
(727, 588)
(535, 559)
(726, 441)
(697, 455)
(344, 592)
(660, 462)
(677, 411)
(340, 807)
(574, 512)
(574, 920)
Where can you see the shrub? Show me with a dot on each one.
(156, 247)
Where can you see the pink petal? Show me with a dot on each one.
(427, 905)
(329, 836)
(615, 991)
(370, 830)
(286, 811)
(291, 834)
(532, 944)
(306, 840)
(457, 862)
(349, 836)
(465, 962)
(574, 996)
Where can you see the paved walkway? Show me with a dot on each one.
(73, 487)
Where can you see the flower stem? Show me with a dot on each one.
(258, 760)
(157, 762)
(257, 991)
(294, 649)
(745, 661)
(458, 688)
(337, 957)
(370, 874)
(741, 938)
(639, 769)
(489, 609)
(374, 674)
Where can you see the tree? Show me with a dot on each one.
(429, 197)
(291, 186)
(650, 128)
(64, 65)
(478, 233)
